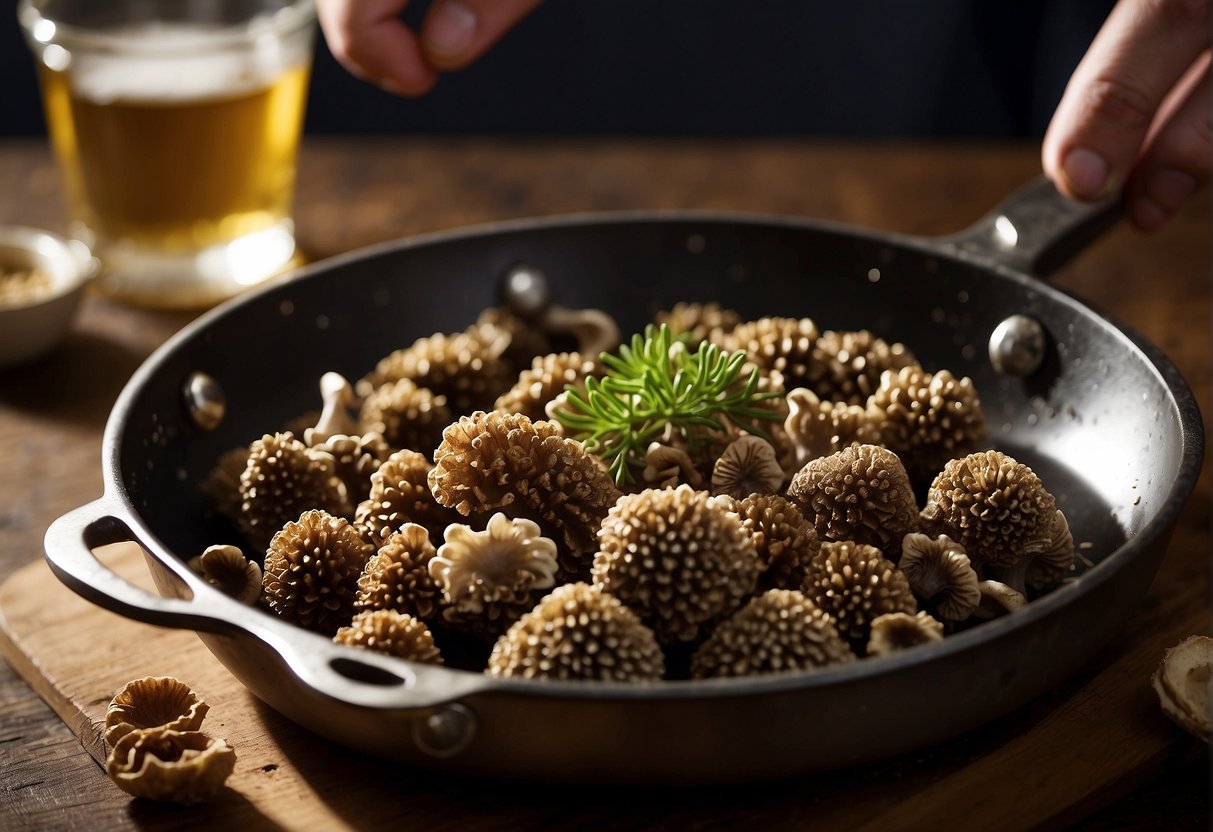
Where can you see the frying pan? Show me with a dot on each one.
(1096, 410)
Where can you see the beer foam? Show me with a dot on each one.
(188, 63)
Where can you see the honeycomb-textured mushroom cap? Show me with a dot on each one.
(699, 321)
(355, 459)
(283, 478)
(399, 494)
(543, 381)
(784, 540)
(228, 570)
(855, 584)
(747, 466)
(469, 368)
(406, 415)
(897, 631)
(861, 494)
(940, 575)
(927, 419)
(678, 557)
(176, 766)
(782, 345)
(847, 366)
(579, 632)
(997, 509)
(489, 579)
(819, 428)
(153, 702)
(394, 633)
(497, 460)
(780, 631)
(397, 577)
(311, 571)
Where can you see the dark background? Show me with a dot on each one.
(876, 68)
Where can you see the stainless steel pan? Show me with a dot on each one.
(1100, 413)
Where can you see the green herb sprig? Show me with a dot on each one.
(657, 381)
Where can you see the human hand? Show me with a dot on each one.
(370, 40)
(1136, 113)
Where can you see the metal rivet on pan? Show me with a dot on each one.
(446, 731)
(204, 401)
(525, 290)
(1017, 346)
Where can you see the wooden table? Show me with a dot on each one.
(353, 192)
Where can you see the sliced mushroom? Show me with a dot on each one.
(1182, 684)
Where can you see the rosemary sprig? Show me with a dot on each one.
(657, 381)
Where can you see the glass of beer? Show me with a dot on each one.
(176, 124)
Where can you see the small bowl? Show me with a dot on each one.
(31, 327)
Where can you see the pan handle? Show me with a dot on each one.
(1034, 230)
(351, 676)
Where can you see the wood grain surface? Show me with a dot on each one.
(1095, 752)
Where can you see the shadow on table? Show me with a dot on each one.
(220, 812)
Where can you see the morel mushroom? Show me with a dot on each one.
(399, 494)
(543, 382)
(818, 428)
(282, 479)
(355, 459)
(394, 633)
(783, 539)
(847, 366)
(397, 577)
(1000, 512)
(940, 575)
(861, 494)
(781, 345)
(164, 764)
(699, 321)
(1182, 685)
(491, 461)
(489, 579)
(747, 466)
(927, 419)
(897, 631)
(406, 415)
(678, 557)
(311, 571)
(153, 702)
(228, 570)
(780, 631)
(854, 585)
(579, 632)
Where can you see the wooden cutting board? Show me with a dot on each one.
(1078, 748)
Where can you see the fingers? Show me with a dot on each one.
(1105, 115)
(370, 40)
(1178, 154)
(457, 32)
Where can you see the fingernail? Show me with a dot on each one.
(450, 28)
(1170, 189)
(1086, 173)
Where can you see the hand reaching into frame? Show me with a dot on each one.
(370, 40)
(1136, 113)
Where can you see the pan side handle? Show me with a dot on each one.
(1034, 230)
(360, 678)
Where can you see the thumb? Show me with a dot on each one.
(457, 32)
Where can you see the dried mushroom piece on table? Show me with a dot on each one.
(940, 575)
(153, 702)
(543, 381)
(579, 632)
(859, 494)
(397, 577)
(855, 585)
(228, 570)
(282, 479)
(489, 579)
(312, 569)
(504, 461)
(678, 557)
(847, 366)
(164, 764)
(408, 416)
(927, 419)
(394, 633)
(1000, 512)
(780, 631)
(897, 631)
(1182, 684)
(399, 494)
